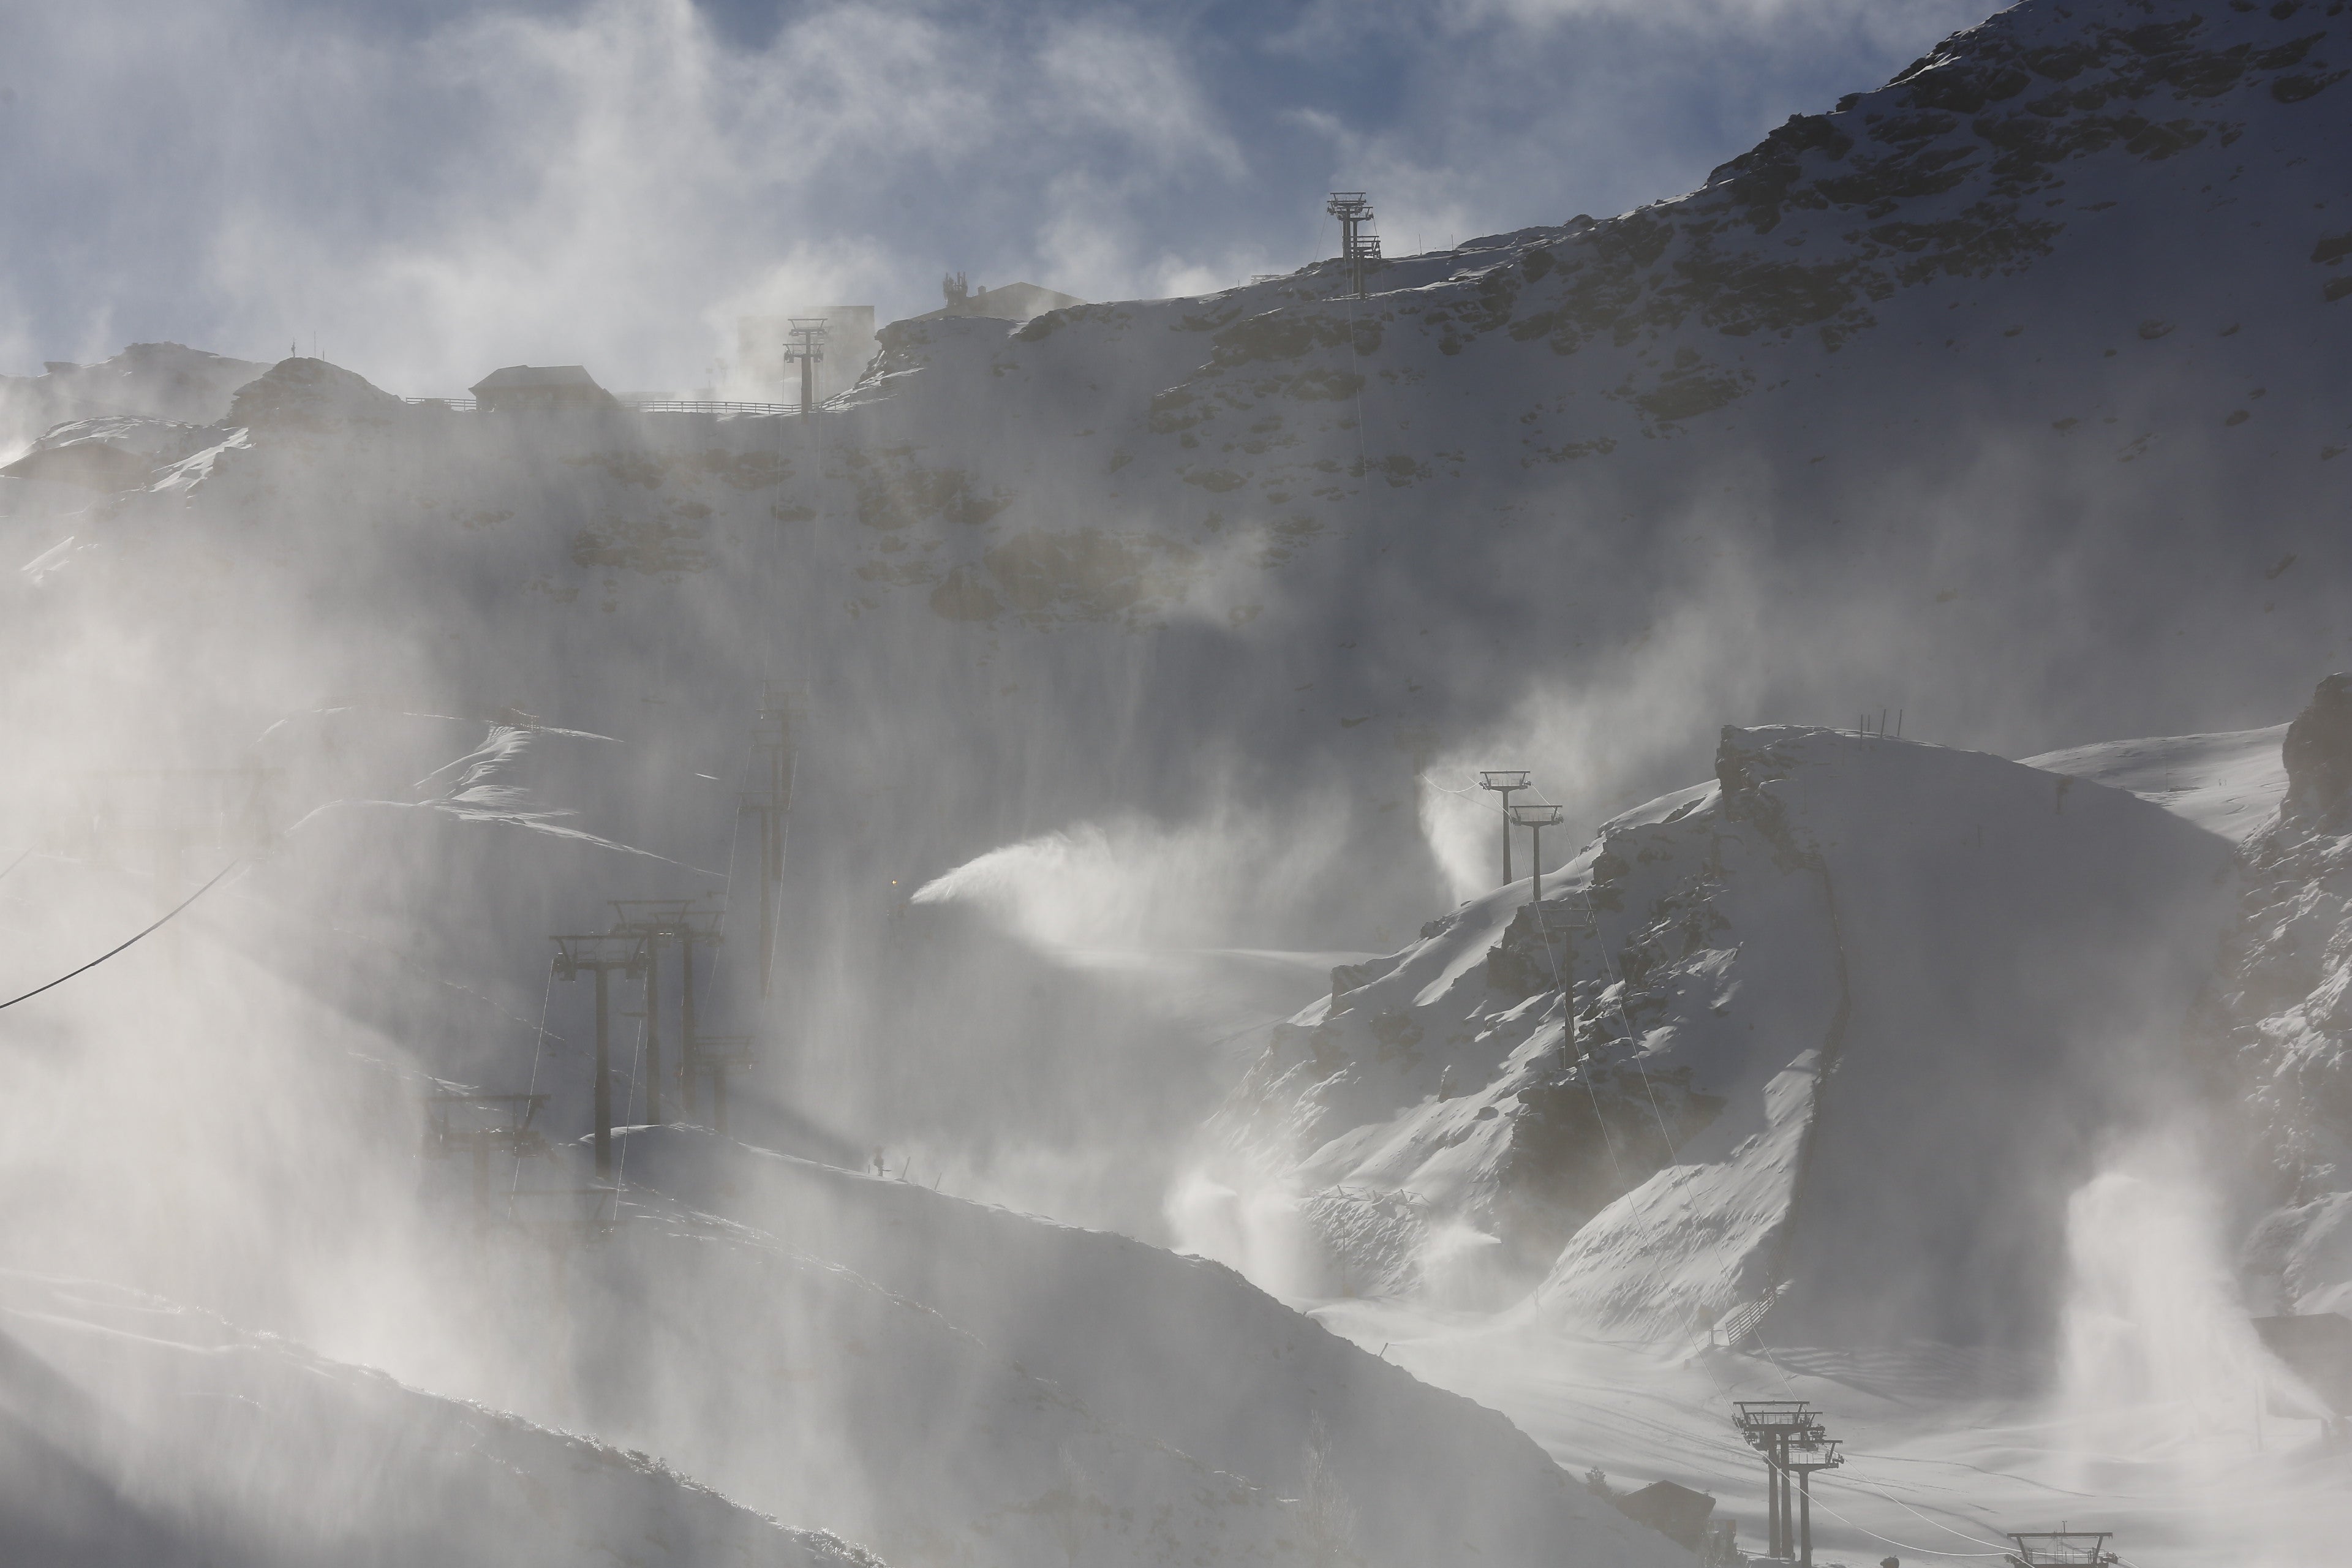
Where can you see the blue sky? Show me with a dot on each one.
(429, 189)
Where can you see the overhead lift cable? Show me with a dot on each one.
(110, 952)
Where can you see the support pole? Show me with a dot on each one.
(806, 345)
(1507, 838)
(1787, 1506)
(767, 884)
(686, 1063)
(1505, 782)
(481, 1183)
(1805, 1517)
(653, 1031)
(603, 1092)
(1535, 819)
(719, 1098)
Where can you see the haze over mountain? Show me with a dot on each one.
(1138, 662)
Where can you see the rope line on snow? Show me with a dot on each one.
(1626, 1022)
(727, 890)
(628, 1105)
(141, 936)
(537, 1052)
(1567, 1037)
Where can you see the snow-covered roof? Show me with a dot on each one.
(535, 375)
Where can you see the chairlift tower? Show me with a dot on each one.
(658, 922)
(1771, 1427)
(600, 954)
(807, 347)
(1506, 784)
(2060, 1548)
(1535, 819)
(1354, 211)
(466, 1119)
(1806, 1454)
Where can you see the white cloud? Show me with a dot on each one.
(1140, 89)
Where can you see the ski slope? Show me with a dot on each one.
(138, 1432)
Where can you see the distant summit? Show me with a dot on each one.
(170, 381)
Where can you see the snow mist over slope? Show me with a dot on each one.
(1841, 1031)
(1155, 642)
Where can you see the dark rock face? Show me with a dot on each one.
(2318, 750)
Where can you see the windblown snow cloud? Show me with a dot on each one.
(1131, 884)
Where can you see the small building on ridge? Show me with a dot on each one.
(540, 389)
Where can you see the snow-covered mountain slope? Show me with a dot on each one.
(2231, 784)
(138, 1432)
(1946, 1450)
(2001, 393)
(1841, 1028)
(1179, 1353)
(976, 1388)
(163, 382)
(2284, 1037)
